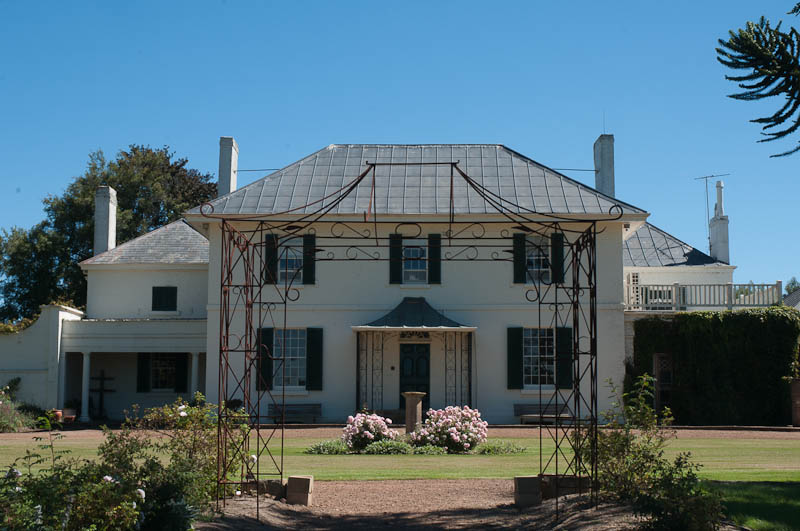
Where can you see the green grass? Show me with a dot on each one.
(759, 479)
(761, 505)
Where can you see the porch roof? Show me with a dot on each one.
(414, 313)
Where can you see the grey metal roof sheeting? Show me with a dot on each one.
(414, 312)
(175, 243)
(650, 246)
(793, 299)
(416, 189)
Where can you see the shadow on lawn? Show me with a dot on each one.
(761, 504)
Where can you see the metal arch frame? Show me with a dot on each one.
(250, 299)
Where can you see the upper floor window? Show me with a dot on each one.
(290, 263)
(165, 298)
(537, 260)
(415, 262)
(538, 357)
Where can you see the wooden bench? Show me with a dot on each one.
(295, 412)
(543, 413)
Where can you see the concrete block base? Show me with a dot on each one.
(527, 491)
(300, 490)
(553, 485)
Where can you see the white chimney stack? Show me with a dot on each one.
(228, 165)
(105, 219)
(604, 164)
(718, 243)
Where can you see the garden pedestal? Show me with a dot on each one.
(527, 491)
(413, 409)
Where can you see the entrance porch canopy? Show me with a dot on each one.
(413, 315)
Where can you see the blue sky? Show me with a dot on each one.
(286, 78)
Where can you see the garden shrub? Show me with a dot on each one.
(632, 466)
(458, 429)
(332, 447)
(388, 447)
(733, 363)
(364, 429)
(499, 448)
(429, 449)
(12, 416)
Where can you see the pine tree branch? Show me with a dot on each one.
(772, 58)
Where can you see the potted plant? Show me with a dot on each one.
(71, 408)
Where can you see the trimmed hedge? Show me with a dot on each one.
(727, 367)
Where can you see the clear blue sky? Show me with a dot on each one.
(287, 78)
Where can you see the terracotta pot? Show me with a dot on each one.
(70, 412)
(795, 393)
(58, 415)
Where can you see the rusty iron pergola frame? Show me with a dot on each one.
(251, 299)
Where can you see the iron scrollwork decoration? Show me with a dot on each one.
(252, 301)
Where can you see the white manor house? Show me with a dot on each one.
(394, 268)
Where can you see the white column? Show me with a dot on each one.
(62, 379)
(195, 373)
(85, 388)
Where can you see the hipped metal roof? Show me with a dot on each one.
(414, 313)
(174, 243)
(414, 188)
(650, 246)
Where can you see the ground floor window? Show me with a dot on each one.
(162, 371)
(290, 345)
(538, 357)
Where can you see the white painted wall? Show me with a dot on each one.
(477, 293)
(33, 355)
(710, 274)
(116, 292)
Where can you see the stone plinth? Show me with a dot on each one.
(553, 485)
(413, 409)
(300, 490)
(527, 491)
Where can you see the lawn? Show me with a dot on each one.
(758, 477)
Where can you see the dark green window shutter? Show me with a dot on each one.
(395, 259)
(143, 372)
(263, 361)
(514, 357)
(557, 257)
(309, 255)
(314, 359)
(270, 259)
(434, 258)
(564, 358)
(520, 260)
(181, 373)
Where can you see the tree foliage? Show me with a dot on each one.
(40, 265)
(771, 59)
(792, 285)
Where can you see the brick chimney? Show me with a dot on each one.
(604, 164)
(718, 242)
(105, 219)
(228, 165)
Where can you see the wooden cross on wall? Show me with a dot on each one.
(101, 389)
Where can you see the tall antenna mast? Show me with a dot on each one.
(708, 213)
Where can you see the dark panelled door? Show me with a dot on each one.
(415, 364)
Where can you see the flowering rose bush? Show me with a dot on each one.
(455, 428)
(364, 429)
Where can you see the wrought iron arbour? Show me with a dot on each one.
(251, 299)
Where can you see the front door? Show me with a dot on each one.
(415, 363)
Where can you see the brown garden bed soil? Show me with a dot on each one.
(421, 504)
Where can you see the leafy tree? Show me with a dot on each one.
(792, 286)
(40, 265)
(772, 59)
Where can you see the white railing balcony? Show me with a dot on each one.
(690, 297)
